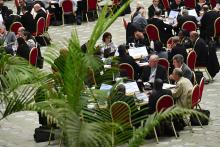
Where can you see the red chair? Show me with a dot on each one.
(189, 26)
(191, 60)
(121, 114)
(166, 4)
(170, 42)
(195, 96)
(217, 27)
(15, 26)
(125, 23)
(40, 29)
(212, 3)
(163, 103)
(91, 7)
(125, 67)
(196, 99)
(33, 56)
(152, 32)
(191, 4)
(165, 63)
(201, 87)
(67, 8)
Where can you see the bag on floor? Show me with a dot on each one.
(204, 121)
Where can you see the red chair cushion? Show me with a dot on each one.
(217, 27)
(152, 32)
(191, 60)
(128, 69)
(67, 6)
(15, 26)
(33, 56)
(164, 102)
(190, 3)
(189, 26)
(195, 96)
(91, 5)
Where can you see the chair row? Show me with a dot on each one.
(164, 102)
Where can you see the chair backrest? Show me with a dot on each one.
(67, 6)
(191, 4)
(40, 26)
(48, 18)
(195, 96)
(189, 26)
(17, 3)
(15, 26)
(33, 56)
(92, 5)
(125, 67)
(125, 23)
(217, 27)
(193, 80)
(212, 3)
(116, 2)
(166, 4)
(169, 42)
(152, 32)
(191, 60)
(164, 102)
(165, 63)
(201, 87)
(121, 113)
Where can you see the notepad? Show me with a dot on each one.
(105, 87)
(173, 14)
(193, 13)
(139, 52)
(131, 88)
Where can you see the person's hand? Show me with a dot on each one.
(171, 77)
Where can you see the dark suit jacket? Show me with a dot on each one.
(178, 49)
(23, 51)
(176, 7)
(160, 73)
(182, 19)
(154, 96)
(10, 19)
(165, 30)
(151, 10)
(207, 24)
(26, 20)
(187, 73)
(5, 12)
(128, 59)
(202, 51)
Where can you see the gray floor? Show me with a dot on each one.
(18, 129)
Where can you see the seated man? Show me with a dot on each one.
(140, 38)
(153, 71)
(178, 62)
(176, 5)
(177, 48)
(183, 91)
(165, 30)
(7, 39)
(156, 93)
(201, 49)
(155, 5)
(125, 58)
(139, 21)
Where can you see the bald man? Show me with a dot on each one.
(153, 71)
(201, 49)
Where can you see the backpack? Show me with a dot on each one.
(204, 121)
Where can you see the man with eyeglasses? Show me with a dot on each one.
(153, 71)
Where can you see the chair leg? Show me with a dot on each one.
(174, 130)
(63, 19)
(155, 133)
(199, 107)
(199, 121)
(97, 13)
(189, 124)
(51, 130)
(210, 77)
(87, 17)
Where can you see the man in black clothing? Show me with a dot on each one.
(26, 20)
(156, 93)
(176, 5)
(153, 71)
(185, 17)
(140, 39)
(207, 24)
(40, 13)
(3, 10)
(165, 30)
(156, 5)
(177, 48)
(201, 49)
(125, 58)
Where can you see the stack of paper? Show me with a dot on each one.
(105, 87)
(137, 53)
(168, 86)
(131, 88)
(142, 96)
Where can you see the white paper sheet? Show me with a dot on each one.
(168, 86)
(1, 19)
(137, 53)
(105, 87)
(142, 96)
(131, 87)
(193, 13)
